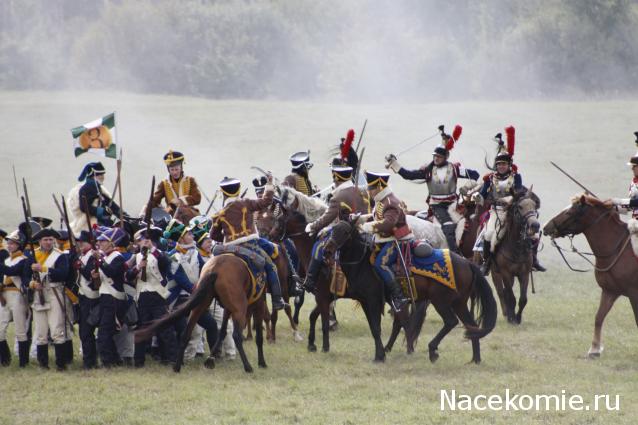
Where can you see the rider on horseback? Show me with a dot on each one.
(177, 189)
(388, 226)
(299, 179)
(98, 200)
(344, 196)
(441, 177)
(234, 225)
(500, 187)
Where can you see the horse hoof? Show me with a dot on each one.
(434, 356)
(410, 351)
(297, 337)
(593, 356)
(177, 368)
(325, 350)
(312, 348)
(379, 360)
(387, 349)
(209, 363)
(248, 369)
(263, 365)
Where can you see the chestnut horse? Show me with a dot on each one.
(227, 278)
(616, 266)
(449, 303)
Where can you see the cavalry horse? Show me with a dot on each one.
(227, 278)
(291, 223)
(513, 256)
(354, 256)
(616, 265)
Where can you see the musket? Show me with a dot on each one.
(67, 223)
(95, 281)
(574, 180)
(358, 170)
(27, 229)
(15, 180)
(361, 136)
(212, 201)
(147, 219)
(26, 196)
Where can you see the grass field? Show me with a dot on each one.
(545, 355)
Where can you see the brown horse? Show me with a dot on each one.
(227, 278)
(513, 257)
(449, 303)
(616, 266)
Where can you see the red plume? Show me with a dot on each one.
(455, 137)
(509, 134)
(347, 144)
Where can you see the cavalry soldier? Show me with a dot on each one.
(345, 196)
(299, 179)
(13, 289)
(441, 177)
(48, 309)
(234, 225)
(100, 205)
(177, 189)
(152, 293)
(112, 296)
(89, 299)
(500, 187)
(388, 226)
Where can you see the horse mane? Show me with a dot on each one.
(310, 207)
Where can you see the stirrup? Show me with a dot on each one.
(398, 304)
(279, 304)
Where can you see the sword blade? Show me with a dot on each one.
(573, 179)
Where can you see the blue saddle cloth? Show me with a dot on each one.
(437, 266)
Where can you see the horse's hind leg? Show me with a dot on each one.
(259, 337)
(396, 328)
(607, 301)
(522, 299)
(239, 344)
(272, 337)
(374, 321)
(498, 285)
(466, 317)
(186, 335)
(311, 332)
(298, 304)
(295, 331)
(449, 322)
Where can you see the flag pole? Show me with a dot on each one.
(118, 182)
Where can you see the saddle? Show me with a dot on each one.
(245, 254)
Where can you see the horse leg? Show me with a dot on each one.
(396, 328)
(509, 298)
(272, 338)
(311, 332)
(239, 344)
(449, 322)
(523, 282)
(259, 338)
(466, 317)
(223, 330)
(295, 331)
(325, 324)
(607, 301)
(498, 285)
(374, 321)
(186, 334)
(249, 328)
(298, 304)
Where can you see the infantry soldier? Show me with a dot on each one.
(441, 177)
(101, 207)
(388, 226)
(48, 309)
(234, 225)
(17, 275)
(345, 196)
(299, 178)
(89, 300)
(177, 190)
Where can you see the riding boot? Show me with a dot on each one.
(275, 293)
(23, 353)
(43, 355)
(487, 258)
(5, 353)
(397, 299)
(60, 357)
(294, 281)
(536, 265)
(314, 268)
(449, 230)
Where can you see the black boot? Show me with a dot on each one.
(5, 353)
(68, 351)
(314, 268)
(449, 230)
(536, 265)
(487, 258)
(43, 355)
(23, 352)
(60, 357)
(397, 299)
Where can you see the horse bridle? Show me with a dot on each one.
(350, 234)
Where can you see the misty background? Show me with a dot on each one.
(355, 50)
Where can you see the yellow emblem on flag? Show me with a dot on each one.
(96, 138)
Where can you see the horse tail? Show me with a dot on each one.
(484, 304)
(416, 321)
(203, 286)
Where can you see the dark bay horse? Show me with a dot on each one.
(365, 288)
(450, 304)
(616, 266)
(513, 257)
(225, 277)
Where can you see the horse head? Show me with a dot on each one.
(525, 214)
(286, 222)
(581, 214)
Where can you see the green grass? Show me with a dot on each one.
(545, 355)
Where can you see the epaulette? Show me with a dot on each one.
(487, 177)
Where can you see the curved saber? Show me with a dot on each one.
(573, 179)
(264, 172)
(417, 144)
